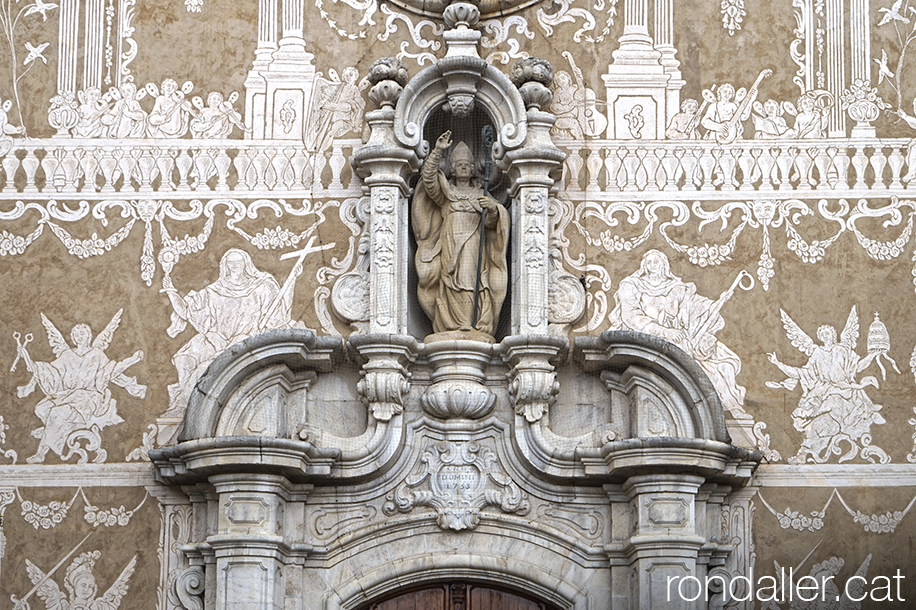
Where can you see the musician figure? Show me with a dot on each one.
(683, 125)
(725, 117)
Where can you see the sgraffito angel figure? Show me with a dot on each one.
(78, 403)
(81, 585)
(338, 108)
(834, 407)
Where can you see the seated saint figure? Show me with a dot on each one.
(446, 222)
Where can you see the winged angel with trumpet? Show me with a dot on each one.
(78, 401)
(834, 406)
(80, 584)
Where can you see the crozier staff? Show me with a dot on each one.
(446, 221)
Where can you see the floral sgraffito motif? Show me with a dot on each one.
(45, 516)
(733, 14)
(111, 517)
(11, 15)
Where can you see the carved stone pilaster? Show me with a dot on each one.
(532, 169)
(385, 376)
(458, 375)
(384, 166)
(664, 544)
(533, 385)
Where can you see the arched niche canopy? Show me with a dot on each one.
(459, 83)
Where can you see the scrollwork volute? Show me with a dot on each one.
(189, 586)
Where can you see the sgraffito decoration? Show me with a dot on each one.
(77, 401)
(834, 409)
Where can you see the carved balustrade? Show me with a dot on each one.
(847, 167)
(72, 168)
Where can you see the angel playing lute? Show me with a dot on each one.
(78, 402)
(834, 407)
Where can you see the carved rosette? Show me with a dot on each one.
(565, 295)
(533, 385)
(458, 376)
(385, 375)
(458, 480)
(350, 294)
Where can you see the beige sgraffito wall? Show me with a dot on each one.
(867, 262)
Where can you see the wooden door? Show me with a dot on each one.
(458, 596)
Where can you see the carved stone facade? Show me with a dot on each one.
(273, 420)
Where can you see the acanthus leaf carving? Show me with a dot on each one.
(458, 480)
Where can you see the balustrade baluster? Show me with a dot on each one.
(320, 162)
(784, 164)
(841, 165)
(126, 169)
(145, 159)
(804, 163)
(824, 163)
(298, 163)
(612, 164)
(860, 163)
(222, 162)
(10, 165)
(645, 169)
(30, 166)
(593, 165)
(727, 164)
(746, 164)
(669, 164)
(89, 166)
(574, 168)
(337, 163)
(259, 164)
(49, 165)
(767, 163)
(183, 163)
(289, 171)
(878, 162)
(204, 169)
(166, 163)
(690, 164)
(109, 166)
(707, 164)
(244, 170)
(896, 161)
(630, 166)
(69, 169)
